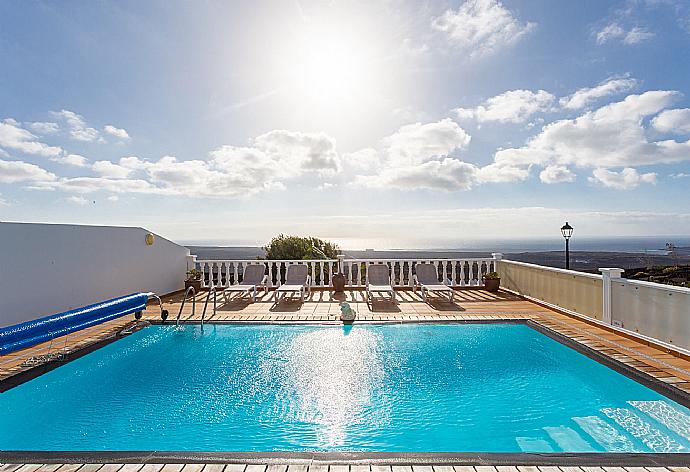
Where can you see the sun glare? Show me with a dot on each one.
(329, 68)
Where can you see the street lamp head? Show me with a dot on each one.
(567, 230)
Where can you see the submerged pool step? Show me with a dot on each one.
(672, 418)
(527, 444)
(651, 437)
(568, 439)
(606, 435)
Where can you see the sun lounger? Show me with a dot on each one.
(297, 279)
(426, 278)
(253, 278)
(379, 281)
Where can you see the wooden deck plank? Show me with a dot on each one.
(234, 467)
(255, 468)
(70, 467)
(297, 468)
(131, 468)
(90, 467)
(110, 468)
(213, 467)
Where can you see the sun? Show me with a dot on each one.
(329, 67)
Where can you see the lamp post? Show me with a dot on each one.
(567, 232)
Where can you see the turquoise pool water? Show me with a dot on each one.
(412, 387)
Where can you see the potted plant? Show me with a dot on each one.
(193, 280)
(492, 281)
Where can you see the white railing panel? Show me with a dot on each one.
(455, 272)
(654, 310)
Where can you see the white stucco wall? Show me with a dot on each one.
(46, 268)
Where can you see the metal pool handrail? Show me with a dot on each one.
(164, 313)
(212, 289)
(190, 288)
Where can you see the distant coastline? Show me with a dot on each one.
(585, 260)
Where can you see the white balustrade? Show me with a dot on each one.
(454, 272)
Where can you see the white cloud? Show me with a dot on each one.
(113, 198)
(77, 200)
(445, 174)
(417, 143)
(367, 158)
(109, 170)
(230, 171)
(13, 136)
(585, 96)
(500, 172)
(626, 179)
(680, 175)
(481, 27)
(513, 106)
(613, 31)
(71, 159)
(612, 136)
(19, 171)
(673, 121)
(78, 130)
(44, 127)
(117, 132)
(556, 174)
(315, 152)
(637, 35)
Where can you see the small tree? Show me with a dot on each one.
(284, 247)
(672, 251)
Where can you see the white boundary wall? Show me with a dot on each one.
(658, 311)
(47, 268)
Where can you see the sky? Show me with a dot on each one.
(391, 124)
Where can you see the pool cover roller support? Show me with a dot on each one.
(30, 333)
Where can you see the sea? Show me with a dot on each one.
(623, 244)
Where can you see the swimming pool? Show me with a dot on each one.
(388, 388)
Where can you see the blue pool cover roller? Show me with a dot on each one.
(30, 333)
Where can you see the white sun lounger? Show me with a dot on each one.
(297, 279)
(379, 281)
(426, 278)
(253, 278)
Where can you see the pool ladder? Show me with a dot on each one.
(211, 290)
(184, 300)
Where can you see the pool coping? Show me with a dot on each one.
(399, 458)
(354, 458)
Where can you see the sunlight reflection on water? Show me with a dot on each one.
(333, 377)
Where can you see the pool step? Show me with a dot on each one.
(669, 416)
(533, 444)
(568, 439)
(654, 439)
(606, 435)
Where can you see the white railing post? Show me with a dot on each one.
(191, 262)
(608, 274)
(341, 259)
(497, 257)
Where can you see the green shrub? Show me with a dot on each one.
(284, 247)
